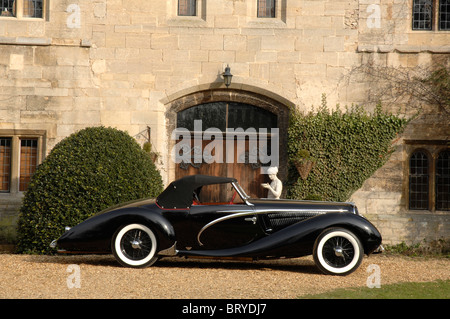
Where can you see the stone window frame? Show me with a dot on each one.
(18, 6)
(432, 149)
(17, 136)
(174, 19)
(435, 16)
(278, 21)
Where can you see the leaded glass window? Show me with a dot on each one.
(266, 8)
(5, 164)
(223, 115)
(443, 181)
(418, 181)
(28, 161)
(187, 7)
(444, 15)
(422, 14)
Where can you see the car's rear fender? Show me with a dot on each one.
(95, 234)
(163, 229)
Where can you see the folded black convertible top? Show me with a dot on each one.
(179, 193)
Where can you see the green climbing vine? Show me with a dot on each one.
(343, 149)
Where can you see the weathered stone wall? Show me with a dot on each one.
(120, 63)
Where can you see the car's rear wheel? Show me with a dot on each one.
(134, 245)
(337, 251)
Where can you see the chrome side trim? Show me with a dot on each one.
(302, 210)
(240, 213)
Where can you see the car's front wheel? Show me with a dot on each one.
(337, 251)
(134, 245)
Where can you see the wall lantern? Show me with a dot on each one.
(227, 76)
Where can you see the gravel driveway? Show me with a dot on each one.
(30, 276)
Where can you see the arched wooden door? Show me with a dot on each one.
(224, 141)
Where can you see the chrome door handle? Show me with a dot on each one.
(251, 219)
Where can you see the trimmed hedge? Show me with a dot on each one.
(347, 148)
(85, 173)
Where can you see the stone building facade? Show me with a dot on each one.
(134, 65)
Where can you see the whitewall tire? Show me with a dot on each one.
(337, 251)
(134, 245)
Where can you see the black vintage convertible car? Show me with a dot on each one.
(179, 223)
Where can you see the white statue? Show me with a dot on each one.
(275, 187)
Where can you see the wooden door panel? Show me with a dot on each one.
(249, 176)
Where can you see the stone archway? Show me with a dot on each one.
(230, 96)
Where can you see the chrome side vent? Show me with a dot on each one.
(282, 220)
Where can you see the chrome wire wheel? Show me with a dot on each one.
(135, 245)
(337, 251)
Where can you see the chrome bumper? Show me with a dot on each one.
(53, 243)
(379, 250)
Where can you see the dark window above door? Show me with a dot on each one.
(224, 115)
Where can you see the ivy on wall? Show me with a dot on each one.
(343, 149)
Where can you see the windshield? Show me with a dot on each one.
(220, 194)
(240, 190)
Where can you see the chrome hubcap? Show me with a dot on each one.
(136, 244)
(338, 251)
